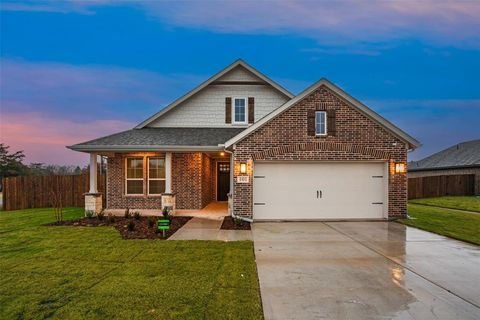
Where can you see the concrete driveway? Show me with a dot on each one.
(364, 270)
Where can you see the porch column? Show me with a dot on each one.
(168, 198)
(168, 172)
(93, 199)
(93, 173)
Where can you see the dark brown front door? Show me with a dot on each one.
(223, 180)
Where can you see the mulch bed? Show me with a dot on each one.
(142, 230)
(229, 224)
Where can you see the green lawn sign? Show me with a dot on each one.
(163, 224)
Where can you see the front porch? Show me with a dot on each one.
(215, 210)
(191, 183)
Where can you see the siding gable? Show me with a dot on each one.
(206, 108)
(239, 73)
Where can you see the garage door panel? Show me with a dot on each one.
(289, 190)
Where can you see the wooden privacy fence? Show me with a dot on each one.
(439, 186)
(36, 191)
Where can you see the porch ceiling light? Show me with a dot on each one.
(400, 168)
(243, 167)
(222, 153)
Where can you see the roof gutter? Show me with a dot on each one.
(134, 148)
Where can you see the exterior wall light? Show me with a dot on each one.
(243, 167)
(400, 168)
(222, 153)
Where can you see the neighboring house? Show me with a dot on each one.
(460, 159)
(241, 137)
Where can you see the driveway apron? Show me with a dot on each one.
(364, 270)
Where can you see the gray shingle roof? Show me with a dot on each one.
(175, 138)
(465, 154)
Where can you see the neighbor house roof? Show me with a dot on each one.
(165, 139)
(462, 155)
(189, 94)
(412, 142)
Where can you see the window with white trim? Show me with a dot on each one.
(321, 123)
(134, 176)
(239, 110)
(156, 175)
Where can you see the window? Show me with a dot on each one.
(134, 176)
(156, 176)
(240, 110)
(321, 123)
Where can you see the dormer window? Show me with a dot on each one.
(239, 111)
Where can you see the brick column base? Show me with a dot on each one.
(168, 200)
(93, 202)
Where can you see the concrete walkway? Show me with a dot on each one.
(214, 210)
(208, 228)
(364, 270)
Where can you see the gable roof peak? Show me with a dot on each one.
(411, 142)
(234, 64)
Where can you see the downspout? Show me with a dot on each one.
(233, 215)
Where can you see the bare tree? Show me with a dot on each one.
(57, 204)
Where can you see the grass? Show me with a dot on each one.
(461, 203)
(450, 223)
(91, 273)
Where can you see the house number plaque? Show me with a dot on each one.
(243, 179)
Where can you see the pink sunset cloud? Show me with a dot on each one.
(43, 138)
(334, 22)
(45, 106)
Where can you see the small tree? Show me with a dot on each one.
(57, 205)
(11, 163)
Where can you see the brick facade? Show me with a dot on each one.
(285, 138)
(193, 182)
(116, 198)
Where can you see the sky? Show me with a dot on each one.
(71, 71)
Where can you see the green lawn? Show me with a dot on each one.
(91, 273)
(450, 223)
(460, 203)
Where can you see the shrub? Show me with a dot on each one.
(166, 212)
(101, 215)
(152, 221)
(238, 222)
(89, 214)
(127, 215)
(131, 225)
(111, 217)
(137, 215)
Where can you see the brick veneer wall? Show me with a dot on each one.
(116, 198)
(187, 180)
(285, 138)
(192, 182)
(207, 180)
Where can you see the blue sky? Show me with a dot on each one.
(72, 70)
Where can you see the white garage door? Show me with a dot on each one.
(319, 190)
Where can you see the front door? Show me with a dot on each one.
(223, 181)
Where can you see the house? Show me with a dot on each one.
(242, 138)
(460, 159)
